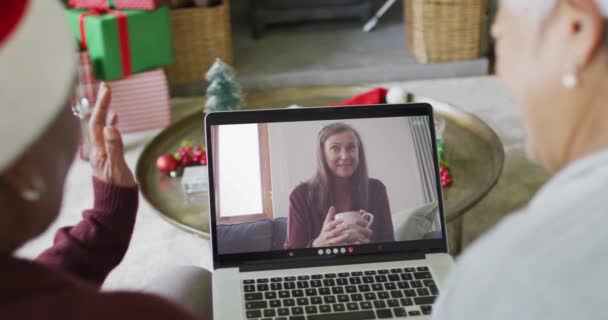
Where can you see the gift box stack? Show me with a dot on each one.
(125, 43)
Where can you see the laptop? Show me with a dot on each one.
(326, 213)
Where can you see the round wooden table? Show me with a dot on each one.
(473, 150)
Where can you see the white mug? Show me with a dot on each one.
(350, 219)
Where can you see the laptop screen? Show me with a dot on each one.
(323, 183)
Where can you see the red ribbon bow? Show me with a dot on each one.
(123, 34)
(111, 4)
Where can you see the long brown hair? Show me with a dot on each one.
(321, 192)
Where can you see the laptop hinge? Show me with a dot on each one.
(327, 261)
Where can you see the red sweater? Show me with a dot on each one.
(304, 222)
(64, 281)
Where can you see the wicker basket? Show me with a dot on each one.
(199, 36)
(444, 30)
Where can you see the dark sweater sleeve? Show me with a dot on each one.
(384, 222)
(299, 229)
(96, 245)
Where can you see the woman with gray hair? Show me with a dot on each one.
(547, 261)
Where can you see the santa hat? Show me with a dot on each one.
(37, 72)
(394, 94)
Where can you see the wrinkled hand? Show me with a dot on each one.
(332, 232)
(107, 150)
(361, 227)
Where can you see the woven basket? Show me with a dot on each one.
(444, 30)
(200, 35)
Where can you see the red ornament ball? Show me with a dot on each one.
(166, 163)
(446, 179)
(203, 159)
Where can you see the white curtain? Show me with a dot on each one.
(424, 156)
(421, 135)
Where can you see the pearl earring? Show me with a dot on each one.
(570, 79)
(496, 31)
(34, 193)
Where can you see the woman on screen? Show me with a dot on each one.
(319, 209)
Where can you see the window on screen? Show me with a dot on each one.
(243, 184)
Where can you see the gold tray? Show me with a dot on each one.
(473, 151)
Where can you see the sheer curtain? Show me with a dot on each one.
(420, 127)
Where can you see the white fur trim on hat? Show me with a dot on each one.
(396, 94)
(37, 72)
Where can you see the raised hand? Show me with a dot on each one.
(107, 151)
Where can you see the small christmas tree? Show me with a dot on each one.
(223, 93)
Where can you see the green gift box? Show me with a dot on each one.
(123, 42)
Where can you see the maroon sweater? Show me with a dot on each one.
(304, 222)
(64, 281)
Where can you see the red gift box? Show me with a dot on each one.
(117, 4)
(141, 101)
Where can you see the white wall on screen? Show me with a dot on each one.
(388, 147)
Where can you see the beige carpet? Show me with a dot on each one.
(329, 52)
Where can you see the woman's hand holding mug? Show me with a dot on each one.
(363, 228)
(359, 225)
(332, 232)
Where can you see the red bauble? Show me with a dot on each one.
(446, 179)
(204, 159)
(166, 163)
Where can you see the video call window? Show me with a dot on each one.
(277, 183)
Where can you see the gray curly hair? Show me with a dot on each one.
(540, 9)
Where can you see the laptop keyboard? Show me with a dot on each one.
(372, 294)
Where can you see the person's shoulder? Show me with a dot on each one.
(301, 190)
(133, 305)
(376, 185)
(525, 248)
